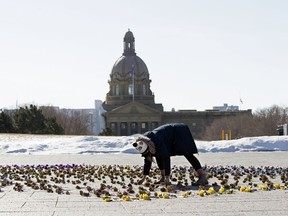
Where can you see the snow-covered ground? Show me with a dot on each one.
(56, 144)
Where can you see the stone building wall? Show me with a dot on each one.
(198, 121)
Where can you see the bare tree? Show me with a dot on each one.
(238, 125)
(263, 122)
(268, 119)
(74, 122)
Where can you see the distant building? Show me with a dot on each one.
(225, 107)
(130, 106)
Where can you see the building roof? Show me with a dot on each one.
(129, 62)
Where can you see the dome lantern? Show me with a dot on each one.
(129, 44)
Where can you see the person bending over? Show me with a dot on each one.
(166, 141)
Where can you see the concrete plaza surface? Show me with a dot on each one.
(37, 202)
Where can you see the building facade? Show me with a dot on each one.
(130, 107)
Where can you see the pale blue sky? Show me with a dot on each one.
(199, 54)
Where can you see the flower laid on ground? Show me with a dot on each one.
(210, 191)
(166, 196)
(144, 196)
(107, 198)
(126, 198)
(186, 194)
(119, 182)
(263, 187)
(201, 192)
(221, 190)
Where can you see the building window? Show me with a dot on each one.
(144, 90)
(123, 129)
(113, 126)
(117, 89)
(123, 125)
(134, 127)
(130, 89)
(144, 127)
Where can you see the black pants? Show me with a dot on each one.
(193, 161)
(190, 157)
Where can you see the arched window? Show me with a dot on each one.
(144, 90)
(116, 89)
(130, 89)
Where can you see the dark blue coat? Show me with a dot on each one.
(170, 140)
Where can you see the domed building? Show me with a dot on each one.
(129, 79)
(130, 105)
(130, 102)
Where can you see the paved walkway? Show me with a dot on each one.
(37, 202)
